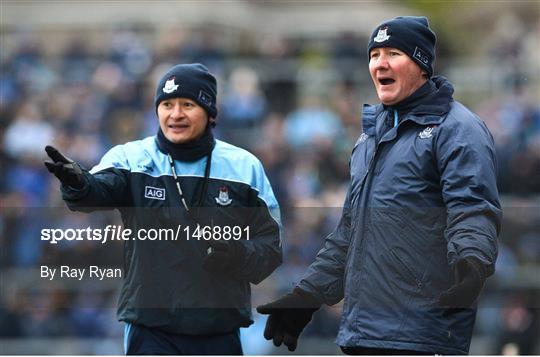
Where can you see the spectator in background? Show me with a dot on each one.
(243, 107)
(311, 123)
(25, 135)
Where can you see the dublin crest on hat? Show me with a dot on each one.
(382, 35)
(170, 86)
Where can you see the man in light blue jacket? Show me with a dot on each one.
(189, 294)
(417, 236)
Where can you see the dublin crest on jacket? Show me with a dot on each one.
(427, 132)
(223, 198)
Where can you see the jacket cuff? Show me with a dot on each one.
(477, 266)
(73, 194)
(310, 299)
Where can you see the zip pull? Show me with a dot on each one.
(395, 118)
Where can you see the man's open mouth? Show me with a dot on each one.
(386, 81)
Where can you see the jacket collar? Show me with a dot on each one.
(432, 109)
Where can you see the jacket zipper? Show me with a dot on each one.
(371, 160)
(363, 181)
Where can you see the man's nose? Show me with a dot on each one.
(381, 62)
(177, 111)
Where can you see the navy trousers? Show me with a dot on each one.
(140, 340)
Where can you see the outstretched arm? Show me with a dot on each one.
(83, 191)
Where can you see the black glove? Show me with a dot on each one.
(470, 275)
(289, 315)
(222, 255)
(66, 170)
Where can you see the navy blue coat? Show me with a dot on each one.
(422, 196)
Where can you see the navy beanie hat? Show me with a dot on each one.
(191, 81)
(410, 34)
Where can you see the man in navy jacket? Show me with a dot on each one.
(417, 236)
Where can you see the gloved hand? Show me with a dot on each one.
(289, 315)
(222, 255)
(470, 276)
(66, 170)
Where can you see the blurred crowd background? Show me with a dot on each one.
(292, 78)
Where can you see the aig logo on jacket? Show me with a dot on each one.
(154, 193)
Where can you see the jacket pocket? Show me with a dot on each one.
(409, 271)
